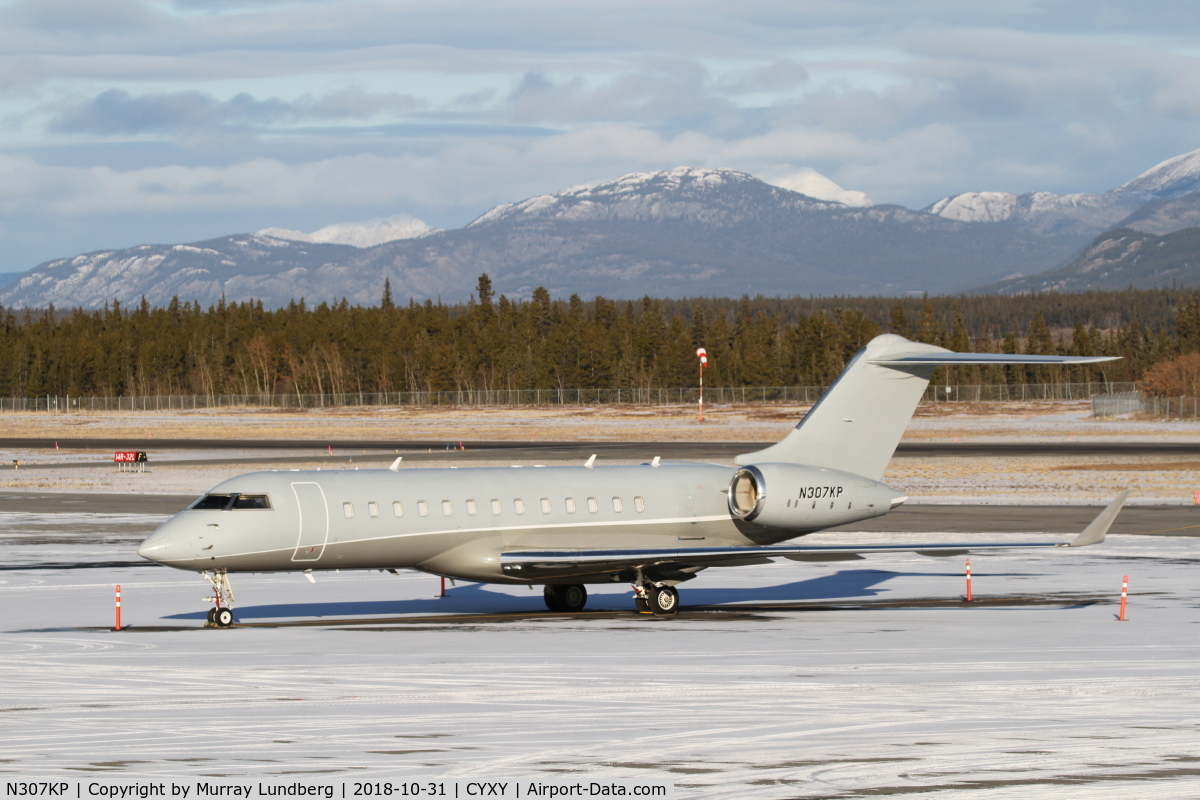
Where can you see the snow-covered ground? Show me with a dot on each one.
(1034, 421)
(882, 695)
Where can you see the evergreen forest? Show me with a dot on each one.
(542, 342)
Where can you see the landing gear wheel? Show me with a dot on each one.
(571, 597)
(642, 606)
(212, 616)
(223, 617)
(664, 601)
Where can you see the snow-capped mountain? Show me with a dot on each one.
(714, 196)
(1042, 212)
(1174, 177)
(679, 232)
(357, 234)
(1085, 213)
(240, 267)
(690, 231)
(684, 231)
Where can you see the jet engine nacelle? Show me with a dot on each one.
(796, 497)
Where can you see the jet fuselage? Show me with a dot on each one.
(458, 522)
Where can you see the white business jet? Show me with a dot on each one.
(654, 526)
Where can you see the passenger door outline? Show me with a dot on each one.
(313, 530)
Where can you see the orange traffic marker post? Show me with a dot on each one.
(1124, 597)
(970, 596)
(118, 626)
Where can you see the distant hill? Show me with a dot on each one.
(1119, 259)
(1166, 215)
(240, 267)
(680, 232)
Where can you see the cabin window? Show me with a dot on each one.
(639, 504)
(373, 508)
(471, 509)
(348, 510)
(447, 508)
(570, 505)
(545, 505)
(496, 507)
(618, 505)
(593, 506)
(398, 508)
(422, 508)
(519, 505)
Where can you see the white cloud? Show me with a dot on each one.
(812, 183)
(178, 116)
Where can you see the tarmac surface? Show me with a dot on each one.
(386, 450)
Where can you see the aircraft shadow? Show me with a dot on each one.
(477, 598)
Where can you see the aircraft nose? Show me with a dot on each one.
(163, 546)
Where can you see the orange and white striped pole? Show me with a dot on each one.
(118, 607)
(1124, 597)
(970, 596)
(702, 354)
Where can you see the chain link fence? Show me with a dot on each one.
(1117, 403)
(970, 393)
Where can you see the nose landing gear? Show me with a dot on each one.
(221, 614)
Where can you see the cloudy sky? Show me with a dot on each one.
(127, 121)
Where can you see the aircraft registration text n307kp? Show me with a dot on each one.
(653, 525)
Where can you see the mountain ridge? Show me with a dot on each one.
(683, 231)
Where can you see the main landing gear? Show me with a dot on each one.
(568, 597)
(654, 599)
(221, 614)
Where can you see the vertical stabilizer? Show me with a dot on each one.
(858, 422)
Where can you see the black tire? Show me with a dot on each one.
(551, 598)
(223, 617)
(642, 606)
(572, 597)
(212, 616)
(665, 601)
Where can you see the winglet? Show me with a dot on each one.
(590, 461)
(1094, 533)
(395, 467)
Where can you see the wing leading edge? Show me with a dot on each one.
(523, 562)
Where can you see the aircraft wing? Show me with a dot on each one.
(530, 562)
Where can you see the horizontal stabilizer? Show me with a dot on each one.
(948, 359)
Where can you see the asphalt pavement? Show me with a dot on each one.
(381, 452)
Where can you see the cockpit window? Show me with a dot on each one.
(212, 502)
(225, 502)
(251, 501)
